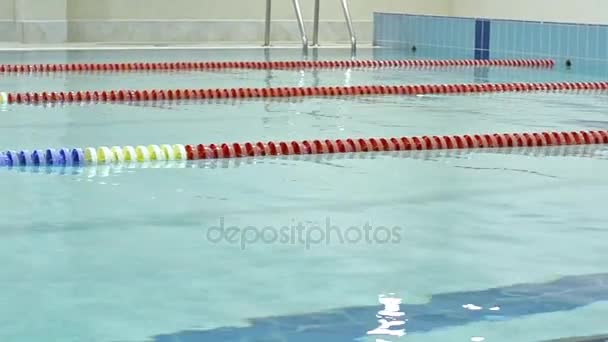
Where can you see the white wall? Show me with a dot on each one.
(7, 9)
(577, 11)
(37, 20)
(53, 21)
(40, 9)
(241, 9)
(592, 11)
(225, 20)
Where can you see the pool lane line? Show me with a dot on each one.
(163, 103)
(178, 72)
(93, 156)
(129, 154)
(265, 65)
(107, 96)
(598, 152)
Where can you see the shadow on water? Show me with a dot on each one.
(599, 338)
(442, 311)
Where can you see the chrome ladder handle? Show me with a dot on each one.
(315, 29)
(349, 24)
(296, 7)
(347, 18)
(268, 17)
(298, 11)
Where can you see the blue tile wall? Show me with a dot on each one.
(482, 39)
(429, 33)
(492, 38)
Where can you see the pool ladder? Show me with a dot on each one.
(302, 27)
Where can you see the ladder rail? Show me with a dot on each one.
(268, 19)
(315, 29)
(301, 26)
(297, 9)
(347, 18)
(349, 24)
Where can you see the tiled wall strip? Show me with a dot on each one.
(495, 38)
(482, 39)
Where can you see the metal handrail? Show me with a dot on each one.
(298, 11)
(315, 29)
(296, 7)
(268, 16)
(349, 24)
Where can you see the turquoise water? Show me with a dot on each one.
(500, 245)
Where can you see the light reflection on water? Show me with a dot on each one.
(391, 319)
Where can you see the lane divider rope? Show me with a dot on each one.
(111, 155)
(162, 103)
(232, 72)
(118, 67)
(244, 93)
(598, 152)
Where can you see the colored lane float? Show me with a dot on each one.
(264, 65)
(108, 96)
(162, 103)
(599, 152)
(130, 154)
(92, 156)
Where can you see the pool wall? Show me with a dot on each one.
(585, 45)
(501, 38)
(580, 11)
(159, 21)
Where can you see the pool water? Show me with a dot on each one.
(494, 245)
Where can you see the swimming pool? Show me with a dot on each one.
(494, 245)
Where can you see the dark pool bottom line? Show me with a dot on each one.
(442, 311)
(599, 338)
